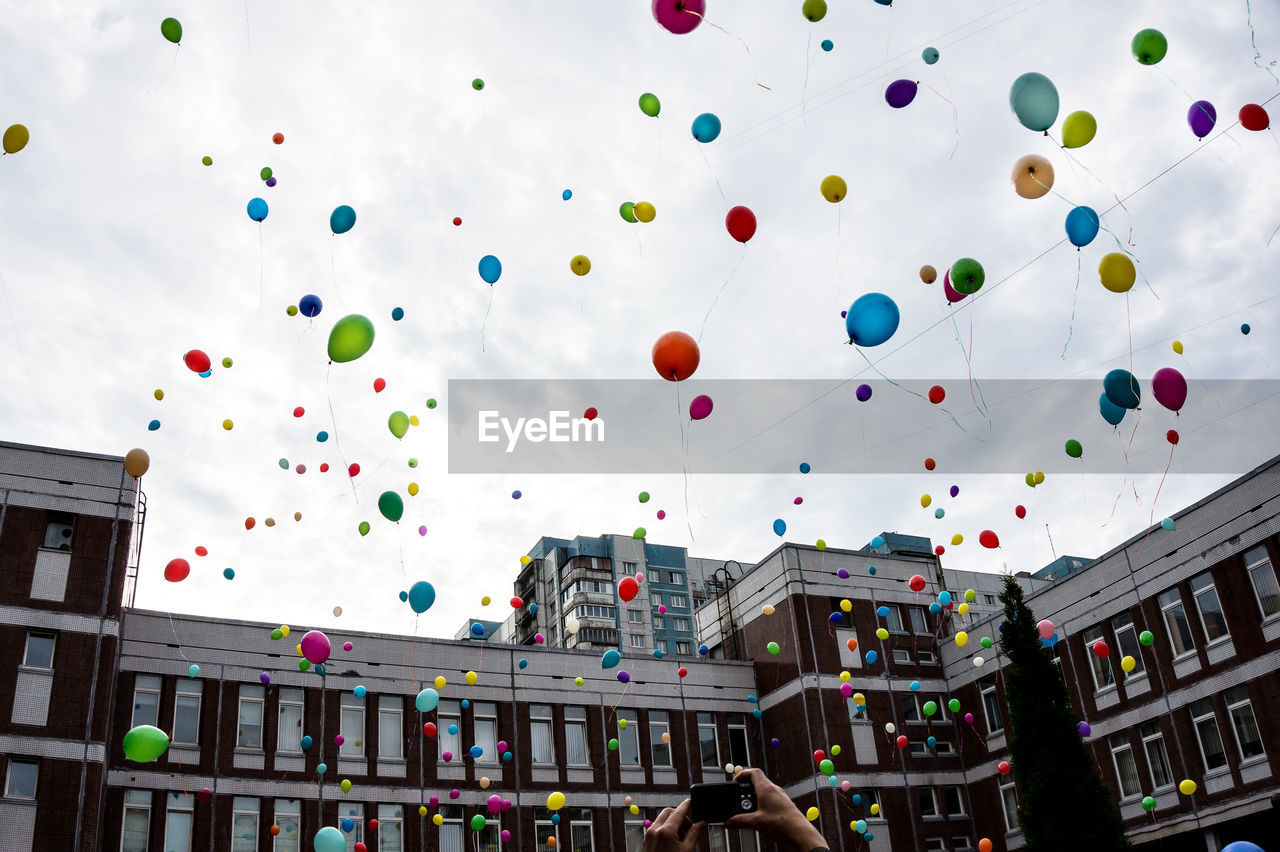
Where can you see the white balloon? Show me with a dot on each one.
(571, 625)
(890, 727)
(977, 662)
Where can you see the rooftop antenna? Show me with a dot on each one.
(1051, 547)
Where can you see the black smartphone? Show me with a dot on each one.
(716, 802)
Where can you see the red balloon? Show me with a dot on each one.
(359, 847)
(457, 220)
(277, 138)
(353, 469)
(627, 588)
(916, 583)
(819, 755)
(275, 830)
(1254, 117)
(197, 361)
(324, 467)
(590, 413)
(1003, 767)
(939, 550)
(379, 384)
(177, 570)
(675, 356)
(953, 295)
(682, 671)
(902, 741)
(517, 602)
(1020, 511)
(937, 394)
(1100, 648)
(930, 464)
(204, 794)
(299, 411)
(429, 729)
(741, 223)
(201, 550)
(1172, 436)
(988, 539)
(248, 523)
(373, 825)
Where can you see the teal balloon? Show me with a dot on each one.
(421, 596)
(610, 659)
(145, 743)
(939, 512)
(342, 219)
(1168, 524)
(1082, 226)
(329, 839)
(1034, 100)
(257, 209)
(391, 506)
(1121, 387)
(1110, 412)
(828, 45)
(706, 127)
(490, 268)
(930, 55)
(871, 320)
(427, 700)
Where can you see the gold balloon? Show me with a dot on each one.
(337, 612)
(16, 138)
(666, 738)
(1032, 176)
(297, 516)
(928, 274)
(580, 264)
(271, 522)
(925, 500)
(767, 609)
(834, 188)
(1116, 272)
(1177, 346)
(484, 783)
(413, 489)
(644, 211)
(136, 462)
(159, 394)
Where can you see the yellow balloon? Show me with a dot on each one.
(1032, 176)
(767, 609)
(1078, 129)
(284, 630)
(413, 420)
(1177, 346)
(957, 539)
(299, 649)
(1128, 664)
(644, 211)
(1116, 272)
(962, 638)
(227, 424)
(846, 605)
(834, 188)
(471, 678)
(1187, 787)
(580, 264)
(159, 394)
(821, 544)
(525, 560)
(577, 681)
(925, 500)
(811, 814)
(844, 677)
(413, 489)
(440, 682)
(16, 138)
(486, 600)
(622, 723)
(875, 809)
(1038, 477)
(635, 809)
(859, 698)
(555, 801)
(438, 819)
(422, 810)
(963, 608)
(881, 633)
(835, 750)
(136, 462)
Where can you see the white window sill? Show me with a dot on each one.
(1216, 773)
(1272, 618)
(1185, 655)
(1167, 788)
(36, 669)
(400, 760)
(289, 752)
(998, 732)
(1219, 641)
(1129, 799)
(250, 750)
(185, 746)
(16, 800)
(1261, 758)
(1105, 690)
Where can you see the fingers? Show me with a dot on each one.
(691, 839)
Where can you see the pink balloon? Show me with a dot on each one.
(846, 689)
(495, 804)
(700, 407)
(1169, 388)
(316, 647)
(1045, 629)
(953, 295)
(339, 739)
(506, 835)
(679, 16)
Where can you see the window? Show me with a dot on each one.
(910, 708)
(748, 840)
(681, 623)
(1127, 639)
(135, 828)
(991, 704)
(635, 616)
(249, 727)
(989, 600)
(927, 658)
(1157, 756)
(1263, 577)
(390, 727)
(918, 748)
(57, 530)
(39, 653)
(893, 621)
(596, 611)
(677, 578)
(146, 702)
(919, 624)
(186, 712)
(289, 818)
(1246, 727)
(637, 640)
(684, 648)
(633, 835)
(940, 715)
(902, 655)
(580, 831)
(1100, 666)
(1205, 722)
(351, 726)
(1009, 799)
(659, 733)
(486, 730)
(1126, 769)
(355, 813)
(630, 568)
(628, 738)
(1215, 623)
(448, 719)
(935, 844)
(541, 747)
(1175, 620)
(289, 726)
(738, 751)
(680, 600)
(708, 747)
(178, 822)
(21, 782)
(244, 824)
(871, 804)
(390, 828)
(962, 843)
(953, 799)
(655, 598)
(660, 644)
(451, 830)
(718, 838)
(928, 802)
(575, 736)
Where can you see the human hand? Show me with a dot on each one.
(776, 816)
(672, 831)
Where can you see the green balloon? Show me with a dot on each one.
(477, 84)
(773, 648)
(265, 174)
(277, 633)
(627, 212)
(967, 276)
(478, 822)
(1147, 638)
(954, 704)
(1148, 803)
(827, 767)
(413, 462)
(303, 665)
(431, 403)
(930, 708)
(650, 105)
(814, 10)
(986, 642)
(1149, 46)
(639, 532)
(207, 160)
(350, 338)
(1074, 449)
(644, 496)
(171, 29)
(145, 743)
(613, 744)
(398, 423)
(364, 528)
(346, 785)
(391, 506)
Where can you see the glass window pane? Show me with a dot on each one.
(39, 651)
(707, 740)
(177, 831)
(581, 837)
(1215, 756)
(718, 836)
(486, 730)
(633, 834)
(186, 721)
(928, 805)
(22, 779)
(146, 708)
(1158, 759)
(575, 737)
(289, 728)
(137, 827)
(244, 833)
(1246, 731)
(629, 740)
(1263, 576)
(249, 733)
(738, 747)
(540, 741)
(352, 732)
(1215, 623)
(390, 735)
(1175, 619)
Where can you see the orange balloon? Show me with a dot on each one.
(551, 841)
(277, 138)
(248, 523)
(928, 274)
(675, 356)
(984, 845)
(852, 643)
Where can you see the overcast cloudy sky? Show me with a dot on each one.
(119, 252)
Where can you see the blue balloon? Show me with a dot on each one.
(321, 768)
(703, 650)
(883, 612)
(871, 320)
(322, 436)
(453, 730)
(1121, 387)
(404, 596)
(329, 839)
(757, 713)
(397, 314)
(193, 670)
(1168, 524)
(306, 742)
(657, 653)
(533, 609)
(310, 305)
(153, 425)
(567, 194)
(523, 663)
(1110, 412)
(490, 268)
(932, 741)
(476, 752)
(555, 819)
(779, 527)
(868, 836)
(229, 573)
(1082, 226)
(506, 756)
(348, 824)
(320, 670)
(872, 656)
(1244, 328)
(206, 374)
(944, 598)
(342, 219)
(857, 799)
(804, 467)
(828, 44)
(477, 628)
(835, 617)
(1034, 100)
(1242, 846)
(751, 699)
(935, 608)
(706, 127)
(421, 596)
(930, 55)
(914, 686)
(871, 569)
(359, 692)
(877, 542)
(610, 659)
(257, 209)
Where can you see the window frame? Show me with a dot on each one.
(1246, 703)
(926, 658)
(1210, 589)
(902, 656)
(537, 717)
(683, 648)
(188, 689)
(239, 808)
(1126, 633)
(1265, 564)
(659, 724)
(635, 616)
(628, 737)
(59, 519)
(1098, 665)
(387, 817)
(705, 721)
(1152, 734)
(1006, 785)
(655, 598)
(353, 743)
(52, 636)
(1117, 743)
(290, 697)
(576, 722)
(990, 691)
(354, 810)
(388, 706)
(1211, 715)
(486, 712)
(180, 803)
(137, 806)
(250, 694)
(283, 812)
(677, 578)
(636, 640)
(1168, 601)
(581, 818)
(933, 812)
(21, 760)
(737, 722)
(146, 685)
(893, 619)
(918, 616)
(679, 600)
(448, 712)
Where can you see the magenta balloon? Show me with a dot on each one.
(1169, 388)
(316, 647)
(700, 407)
(953, 295)
(679, 16)
(900, 93)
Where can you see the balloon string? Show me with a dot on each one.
(167, 73)
(967, 362)
(1087, 171)
(1074, 301)
(176, 639)
(1152, 517)
(986, 412)
(722, 286)
(1180, 89)
(946, 411)
(839, 275)
(955, 117)
(804, 93)
(713, 175)
(247, 42)
(1253, 39)
(337, 443)
(485, 321)
(744, 45)
(261, 265)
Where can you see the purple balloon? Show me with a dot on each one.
(265, 678)
(316, 647)
(623, 677)
(700, 407)
(271, 181)
(900, 93)
(1202, 117)
(1083, 729)
(955, 489)
(968, 718)
(843, 573)
(864, 393)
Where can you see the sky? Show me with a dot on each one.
(120, 251)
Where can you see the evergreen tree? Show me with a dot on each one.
(1062, 800)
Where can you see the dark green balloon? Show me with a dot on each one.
(1149, 46)
(265, 174)
(477, 84)
(391, 506)
(967, 276)
(1074, 449)
(814, 10)
(171, 29)
(650, 105)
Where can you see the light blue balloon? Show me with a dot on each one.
(757, 713)
(329, 839)
(1110, 412)
(833, 781)
(883, 611)
(944, 598)
(930, 55)
(1082, 226)
(193, 670)
(706, 127)
(877, 542)
(321, 769)
(306, 743)
(1121, 387)
(490, 268)
(257, 209)
(567, 194)
(427, 700)
(610, 659)
(466, 702)
(342, 219)
(359, 692)
(453, 729)
(1034, 100)
(779, 527)
(939, 512)
(915, 686)
(861, 825)
(657, 653)
(870, 321)
(421, 596)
